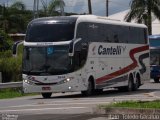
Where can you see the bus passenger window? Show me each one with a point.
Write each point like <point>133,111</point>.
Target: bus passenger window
<point>116,40</point>
<point>107,39</point>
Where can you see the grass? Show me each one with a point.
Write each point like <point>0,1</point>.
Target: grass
<point>12,93</point>
<point>134,104</point>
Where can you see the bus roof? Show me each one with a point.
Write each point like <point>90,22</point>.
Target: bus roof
<point>63,19</point>
<point>86,18</point>
<point>107,20</point>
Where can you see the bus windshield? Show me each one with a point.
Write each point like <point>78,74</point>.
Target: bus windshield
<point>52,60</point>
<point>50,32</point>
<point>155,56</point>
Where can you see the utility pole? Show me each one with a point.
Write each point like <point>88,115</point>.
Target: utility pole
<point>62,8</point>
<point>89,7</point>
<point>35,8</point>
<point>107,8</point>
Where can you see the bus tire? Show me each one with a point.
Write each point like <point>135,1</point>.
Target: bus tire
<point>98,91</point>
<point>130,86</point>
<point>156,80</point>
<point>137,83</point>
<point>90,88</point>
<point>122,89</point>
<point>46,95</point>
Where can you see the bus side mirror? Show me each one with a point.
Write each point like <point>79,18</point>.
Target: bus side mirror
<point>77,57</point>
<point>15,47</point>
<point>71,49</point>
<point>72,46</point>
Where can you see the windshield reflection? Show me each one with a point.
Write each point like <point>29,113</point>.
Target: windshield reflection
<point>46,60</point>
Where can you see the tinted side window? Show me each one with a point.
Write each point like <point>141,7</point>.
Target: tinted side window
<point>111,33</point>
<point>83,34</point>
<point>92,32</point>
<point>123,32</point>
<point>82,31</point>
<point>97,32</point>
<point>137,35</point>
<point>116,33</point>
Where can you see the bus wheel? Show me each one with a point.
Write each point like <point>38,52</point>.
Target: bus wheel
<point>130,84</point>
<point>46,95</point>
<point>137,83</point>
<point>123,89</point>
<point>98,91</point>
<point>90,88</point>
<point>156,80</point>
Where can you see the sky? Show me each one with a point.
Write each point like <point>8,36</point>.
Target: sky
<point>81,6</point>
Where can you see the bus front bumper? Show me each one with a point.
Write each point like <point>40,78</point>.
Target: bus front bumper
<point>66,87</point>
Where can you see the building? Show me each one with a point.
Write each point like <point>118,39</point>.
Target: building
<point>155,22</point>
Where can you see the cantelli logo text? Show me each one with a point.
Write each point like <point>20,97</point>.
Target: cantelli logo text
<point>111,50</point>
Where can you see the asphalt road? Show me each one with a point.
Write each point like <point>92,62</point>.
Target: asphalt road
<point>71,106</point>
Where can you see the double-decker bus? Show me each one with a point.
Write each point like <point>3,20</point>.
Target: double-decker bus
<point>154,41</point>
<point>84,53</point>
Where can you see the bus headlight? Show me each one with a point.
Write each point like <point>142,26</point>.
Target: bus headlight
<point>68,79</point>
<point>69,87</point>
<point>64,81</point>
<point>28,82</point>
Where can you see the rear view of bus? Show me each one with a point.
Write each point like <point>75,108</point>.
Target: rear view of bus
<point>155,57</point>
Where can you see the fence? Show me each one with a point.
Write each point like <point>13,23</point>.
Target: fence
<point>11,85</point>
<point>0,77</point>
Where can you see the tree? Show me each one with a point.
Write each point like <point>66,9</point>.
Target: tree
<point>50,9</point>
<point>142,10</point>
<point>18,6</point>
<point>5,41</point>
<point>4,19</point>
<point>14,18</point>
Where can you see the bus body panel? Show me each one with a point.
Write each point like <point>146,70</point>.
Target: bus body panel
<point>59,83</point>
<point>109,63</point>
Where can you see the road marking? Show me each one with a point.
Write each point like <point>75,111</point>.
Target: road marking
<point>19,106</point>
<point>78,102</point>
<point>42,109</point>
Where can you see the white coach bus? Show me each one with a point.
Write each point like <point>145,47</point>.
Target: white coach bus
<point>84,53</point>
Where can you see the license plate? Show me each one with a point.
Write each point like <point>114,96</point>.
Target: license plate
<point>46,88</point>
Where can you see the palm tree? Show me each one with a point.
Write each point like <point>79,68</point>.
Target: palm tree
<point>142,10</point>
<point>50,9</point>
